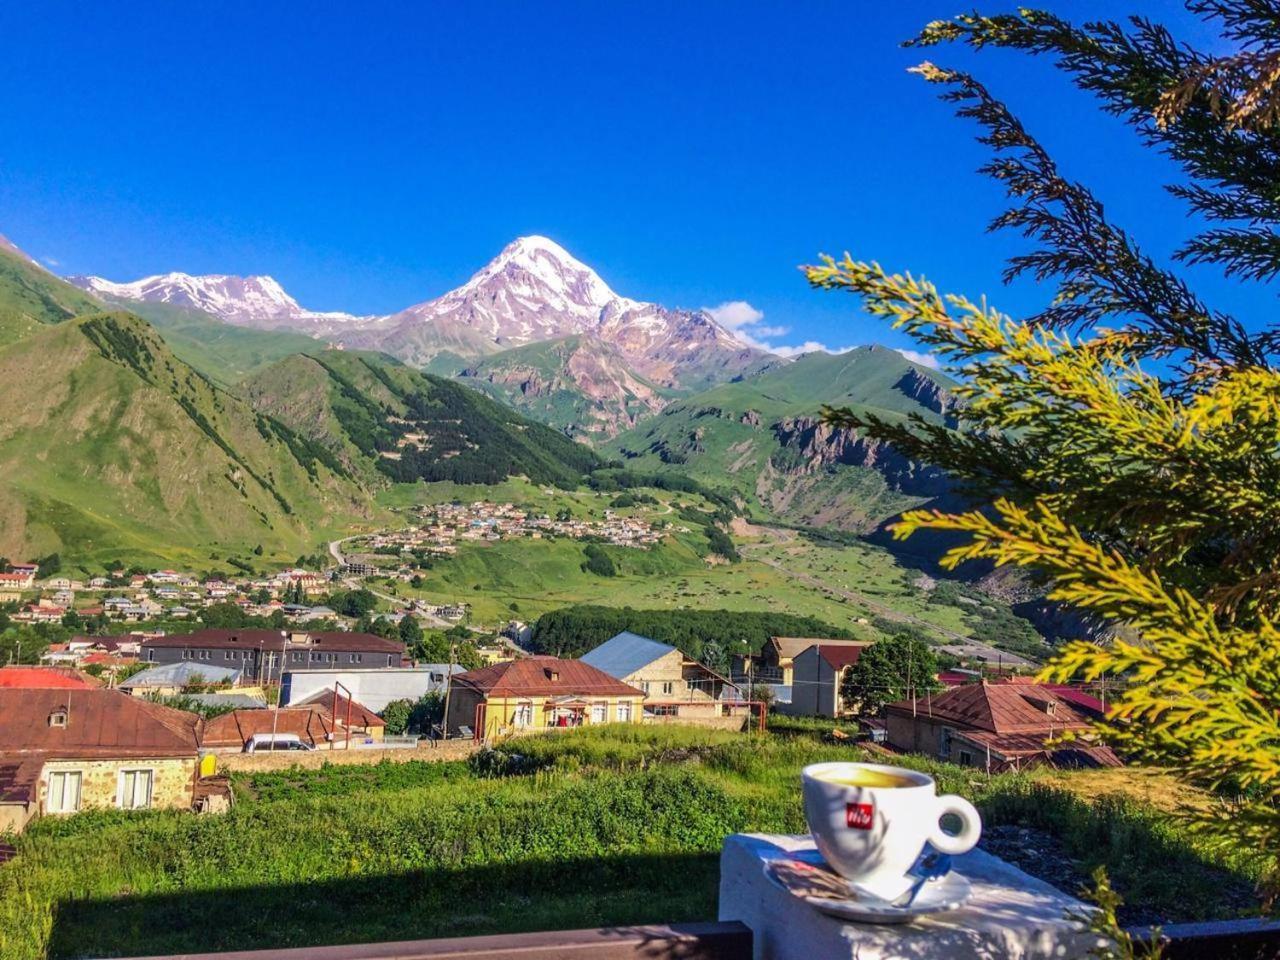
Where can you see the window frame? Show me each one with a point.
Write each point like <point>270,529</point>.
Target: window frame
<point>121,778</point>
<point>66,776</point>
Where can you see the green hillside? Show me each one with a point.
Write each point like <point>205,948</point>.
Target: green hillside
<point>31,296</point>
<point>759,439</point>
<point>114,449</point>
<point>221,351</point>
<point>376,414</point>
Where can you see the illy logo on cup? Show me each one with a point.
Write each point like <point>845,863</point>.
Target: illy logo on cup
<point>859,816</point>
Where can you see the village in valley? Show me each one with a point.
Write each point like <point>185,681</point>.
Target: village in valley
<point>439,528</point>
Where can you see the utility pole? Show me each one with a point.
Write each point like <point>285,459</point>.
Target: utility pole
<point>911,687</point>
<point>448,689</point>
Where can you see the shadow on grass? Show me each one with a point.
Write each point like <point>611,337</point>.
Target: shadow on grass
<point>363,908</point>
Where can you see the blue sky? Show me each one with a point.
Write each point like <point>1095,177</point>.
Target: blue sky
<point>370,156</point>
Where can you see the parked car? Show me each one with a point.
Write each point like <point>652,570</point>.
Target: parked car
<point>266,742</point>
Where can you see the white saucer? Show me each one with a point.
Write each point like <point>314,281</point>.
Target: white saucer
<point>810,879</point>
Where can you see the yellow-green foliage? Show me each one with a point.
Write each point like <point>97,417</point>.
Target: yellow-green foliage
<point>1204,670</point>
<point>1148,499</point>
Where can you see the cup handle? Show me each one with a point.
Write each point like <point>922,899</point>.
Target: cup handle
<point>970,829</point>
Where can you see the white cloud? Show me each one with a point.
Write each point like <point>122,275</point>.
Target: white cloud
<point>52,262</point>
<point>735,314</point>
<point>924,359</point>
<point>747,325</point>
<point>809,346</point>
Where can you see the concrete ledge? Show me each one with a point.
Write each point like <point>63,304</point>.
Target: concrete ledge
<point>1011,915</point>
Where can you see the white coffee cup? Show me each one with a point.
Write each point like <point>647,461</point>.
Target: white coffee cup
<point>871,822</point>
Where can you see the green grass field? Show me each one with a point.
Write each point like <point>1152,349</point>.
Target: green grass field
<point>594,827</point>
<point>524,578</point>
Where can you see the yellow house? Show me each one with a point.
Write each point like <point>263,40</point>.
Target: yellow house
<point>65,750</point>
<point>536,694</point>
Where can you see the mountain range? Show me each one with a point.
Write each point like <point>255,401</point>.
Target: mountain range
<point>216,410</point>
<point>113,450</point>
<point>619,359</point>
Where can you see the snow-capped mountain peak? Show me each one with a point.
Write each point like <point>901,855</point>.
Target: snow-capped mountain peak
<point>249,301</point>
<point>540,261</point>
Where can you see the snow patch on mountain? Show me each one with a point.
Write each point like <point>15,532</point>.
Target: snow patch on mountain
<point>246,301</point>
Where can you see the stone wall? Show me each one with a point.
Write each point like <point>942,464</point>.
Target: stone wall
<point>172,780</point>
<point>254,762</point>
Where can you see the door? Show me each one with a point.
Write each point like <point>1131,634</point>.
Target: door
<point>64,791</point>
<point>135,789</point>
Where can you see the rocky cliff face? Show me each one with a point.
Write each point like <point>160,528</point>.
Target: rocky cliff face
<point>927,392</point>
<point>578,385</point>
<point>814,446</point>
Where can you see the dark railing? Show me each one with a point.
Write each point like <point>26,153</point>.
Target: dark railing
<point>1226,939</point>
<point>1230,940</point>
<point>687,941</point>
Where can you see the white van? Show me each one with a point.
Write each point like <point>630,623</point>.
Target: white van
<point>265,742</point>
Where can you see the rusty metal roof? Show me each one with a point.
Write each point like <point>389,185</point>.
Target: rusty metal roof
<point>545,676</point>
<point>998,708</point>
<point>35,678</point>
<point>99,723</point>
<point>361,716</point>
<point>791,647</point>
<point>18,779</point>
<point>311,724</point>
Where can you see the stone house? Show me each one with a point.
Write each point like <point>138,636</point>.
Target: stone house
<point>674,685</point>
<point>64,749</point>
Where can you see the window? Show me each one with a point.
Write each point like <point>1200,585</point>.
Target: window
<point>667,710</point>
<point>226,654</point>
<point>355,658</point>
<point>64,791</point>
<point>966,758</point>
<point>668,687</point>
<point>151,656</point>
<point>135,789</point>
<point>58,718</point>
<point>186,654</point>
<point>524,714</point>
<point>944,742</point>
<point>644,685</point>
<point>624,711</point>
<point>599,712</point>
